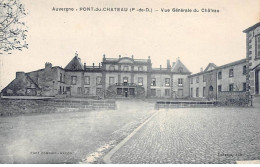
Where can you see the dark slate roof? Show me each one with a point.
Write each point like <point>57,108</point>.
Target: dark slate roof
<point>179,64</point>
<point>116,60</point>
<point>75,64</point>
<point>252,27</point>
<point>221,67</point>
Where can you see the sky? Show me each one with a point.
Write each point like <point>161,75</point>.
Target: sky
<point>196,38</point>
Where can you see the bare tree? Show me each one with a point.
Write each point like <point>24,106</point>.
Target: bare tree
<point>12,29</point>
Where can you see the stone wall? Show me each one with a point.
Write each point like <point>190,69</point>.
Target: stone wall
<point>235,98</point>
<point>184,104</point>
<point>22,106</point>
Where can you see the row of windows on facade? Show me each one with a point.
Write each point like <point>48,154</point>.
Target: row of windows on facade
<point>125,80</point>
<point>86,90</point>
<point>125,68</point>
<point>230,88</point>
<point>231,74</point>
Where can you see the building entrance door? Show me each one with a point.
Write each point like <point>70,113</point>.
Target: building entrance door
<point>210,95</point>
<point>125,90</point>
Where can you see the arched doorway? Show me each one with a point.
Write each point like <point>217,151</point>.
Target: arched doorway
<point>210,94</point>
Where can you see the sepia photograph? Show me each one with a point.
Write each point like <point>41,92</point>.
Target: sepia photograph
<point>129,82</point>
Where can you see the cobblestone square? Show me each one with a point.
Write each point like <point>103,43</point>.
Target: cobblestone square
<point>195,135</point>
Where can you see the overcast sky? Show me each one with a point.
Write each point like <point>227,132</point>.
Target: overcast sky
<point>197,38</point>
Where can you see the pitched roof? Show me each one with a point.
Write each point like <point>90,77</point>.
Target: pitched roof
<point>210,66</point>
<point>75,64</point>
<point>252,27</point>
<point>177,65</point>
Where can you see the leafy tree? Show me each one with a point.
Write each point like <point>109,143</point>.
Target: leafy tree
<point>12,29</point>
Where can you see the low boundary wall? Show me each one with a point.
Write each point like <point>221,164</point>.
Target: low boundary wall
<point>184,104</point>
<point>23,106</point>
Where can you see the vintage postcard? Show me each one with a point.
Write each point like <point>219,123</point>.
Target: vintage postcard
<point>129,82</point>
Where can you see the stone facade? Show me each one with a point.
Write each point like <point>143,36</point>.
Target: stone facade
<point>253,58</point>
<point>208,83</point>
<point>113,78</point>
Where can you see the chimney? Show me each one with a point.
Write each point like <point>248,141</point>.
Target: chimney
<point>93,65</point>
<point>19,74</point>
<point>119,56</point>
<point>201,69</point>
<point>173,64</point>
<point>168,64</point>
<point>160,67</point>
<point>48,65</point>
<point>99,65</point>
<point>85,66</point>
<point>132,56</point>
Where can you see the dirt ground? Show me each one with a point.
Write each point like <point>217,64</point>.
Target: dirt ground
<point>73,137</point>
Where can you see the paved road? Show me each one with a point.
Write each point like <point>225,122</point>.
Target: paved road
<point>200,135</point>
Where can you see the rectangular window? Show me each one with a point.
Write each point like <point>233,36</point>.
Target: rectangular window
<point>219,75</point>
<point>73,80</point>
<point>119,91</point>
<point>258,46</point>
<point>98,81</point>
<point>231,72</point>
<point>99,91</point>
<point>167,92</point>
<point>153,82</point>
<point>244,86</point>
<point>87,80</point>
<point>191,80</point>
<point>197,79</point>
<point>60,77</point>
<point>140,81</point>
<point>244,70</point>
<point>219,88</point>
<point>197,92</point>
<point>87,91</point>
<point>153,92</point>
<point>231,87</point>
<point>125,68</point>
<point>167,81</point>
<point>131,91</point>
<point>191,92</point>
<point>79,90</point>
<point>125,80</point>
<point>111,80</point>
<point>204,78</point>
<point>140,68</point>
<point>204,89</point>
<point>112,68</point>
<point>180,82</point>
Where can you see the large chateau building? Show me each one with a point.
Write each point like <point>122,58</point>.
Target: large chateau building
<point>136,78</point>
<point>113,78</point>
